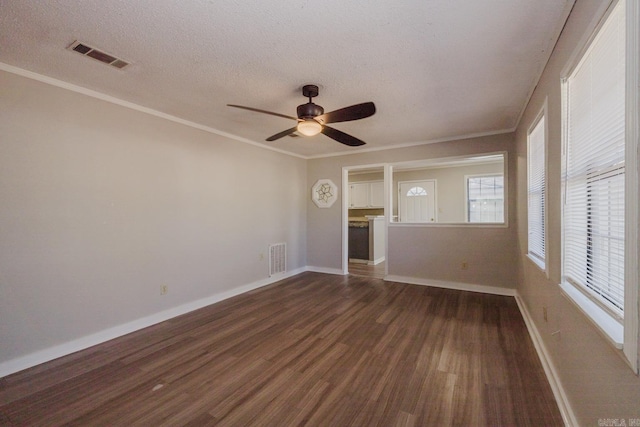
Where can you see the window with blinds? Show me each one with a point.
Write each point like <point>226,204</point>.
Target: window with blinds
<point>594,168</point>
<point>536,191</point>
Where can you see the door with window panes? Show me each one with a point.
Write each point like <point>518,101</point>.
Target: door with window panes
<point>416,201</point>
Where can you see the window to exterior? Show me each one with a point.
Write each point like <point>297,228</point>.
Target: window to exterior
<point>536,191</point>
<point>416,191</point>
<point>594,178</point>
<point>485,198</point>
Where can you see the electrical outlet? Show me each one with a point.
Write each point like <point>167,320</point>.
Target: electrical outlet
<point>164,289</point>
<point>261,256</point>
<point>464,265</point>
<point>544,314</point>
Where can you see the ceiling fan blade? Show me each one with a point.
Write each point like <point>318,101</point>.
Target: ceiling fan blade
<point>342,137</point>
<point>354,112</point>
<point>262,111</point>
<point>281,134</point>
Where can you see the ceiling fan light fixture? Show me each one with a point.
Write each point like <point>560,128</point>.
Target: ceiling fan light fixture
<point>312,119</point>
<point>309,127</point>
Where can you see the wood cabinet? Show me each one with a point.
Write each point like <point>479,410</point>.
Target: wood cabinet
<point>363,195</point>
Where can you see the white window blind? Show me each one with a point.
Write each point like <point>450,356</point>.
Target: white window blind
<point>536,191</point>
<point>595,166</point>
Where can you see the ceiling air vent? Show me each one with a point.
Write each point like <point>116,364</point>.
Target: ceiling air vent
<point>97,54</point>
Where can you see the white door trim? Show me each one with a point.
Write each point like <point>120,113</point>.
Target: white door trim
<point>345,210</point>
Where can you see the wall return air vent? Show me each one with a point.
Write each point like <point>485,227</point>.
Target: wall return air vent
<point>91,52</point>
<point>277,259</point>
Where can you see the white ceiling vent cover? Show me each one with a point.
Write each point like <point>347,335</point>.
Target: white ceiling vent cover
<point>277,259</point>
<point>96,54</point>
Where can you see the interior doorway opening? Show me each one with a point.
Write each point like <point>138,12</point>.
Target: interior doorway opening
<point>364,221</point>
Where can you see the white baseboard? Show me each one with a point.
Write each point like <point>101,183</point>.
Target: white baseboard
<point>376,261</point>
<point>325,270</point>
<point>568,416</point>
<point>48,354</point>
<point>494,290</point>
<point>364,261</point>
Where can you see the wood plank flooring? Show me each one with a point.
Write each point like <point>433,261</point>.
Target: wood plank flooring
<point>314,349</point>
<point>374,271</point>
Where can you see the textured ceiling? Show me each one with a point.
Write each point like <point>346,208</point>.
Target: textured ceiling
<point>436,70</point>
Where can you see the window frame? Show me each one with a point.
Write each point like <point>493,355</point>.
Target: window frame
<point>540,260</point>
<point>430,162</point>
<point>467,213</point>
<point>621,334</point>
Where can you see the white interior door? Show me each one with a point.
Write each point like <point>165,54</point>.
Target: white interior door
<point>416,201</point>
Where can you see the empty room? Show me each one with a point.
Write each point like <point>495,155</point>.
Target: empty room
<point>281,213</point>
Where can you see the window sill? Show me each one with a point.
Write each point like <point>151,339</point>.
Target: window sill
<point>451,224</point>
<point>538,263</point>
<point>606,324</point>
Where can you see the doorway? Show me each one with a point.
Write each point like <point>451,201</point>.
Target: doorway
<point>364,221</point>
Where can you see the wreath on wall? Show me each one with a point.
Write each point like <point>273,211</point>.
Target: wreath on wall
<point>324,193</point>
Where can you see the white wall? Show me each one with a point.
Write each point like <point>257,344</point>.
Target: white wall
<point>597,382</point>
<point>423,252</point>
<point>100,205</point>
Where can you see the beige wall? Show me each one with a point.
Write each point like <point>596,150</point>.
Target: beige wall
<point>597,381</point>
<point>422,252</point>
<point>100,205</point>
<point>372,176</point>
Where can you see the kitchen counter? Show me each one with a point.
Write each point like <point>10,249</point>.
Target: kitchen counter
<point>359,224</point>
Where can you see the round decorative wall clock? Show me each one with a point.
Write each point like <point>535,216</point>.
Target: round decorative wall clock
<point>324,193</point>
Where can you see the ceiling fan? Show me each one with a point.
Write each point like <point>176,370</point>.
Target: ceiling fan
<point>312,119</point>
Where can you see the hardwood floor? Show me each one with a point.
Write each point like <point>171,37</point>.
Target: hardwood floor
<point>373,271</point>
<point>314,349</point>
